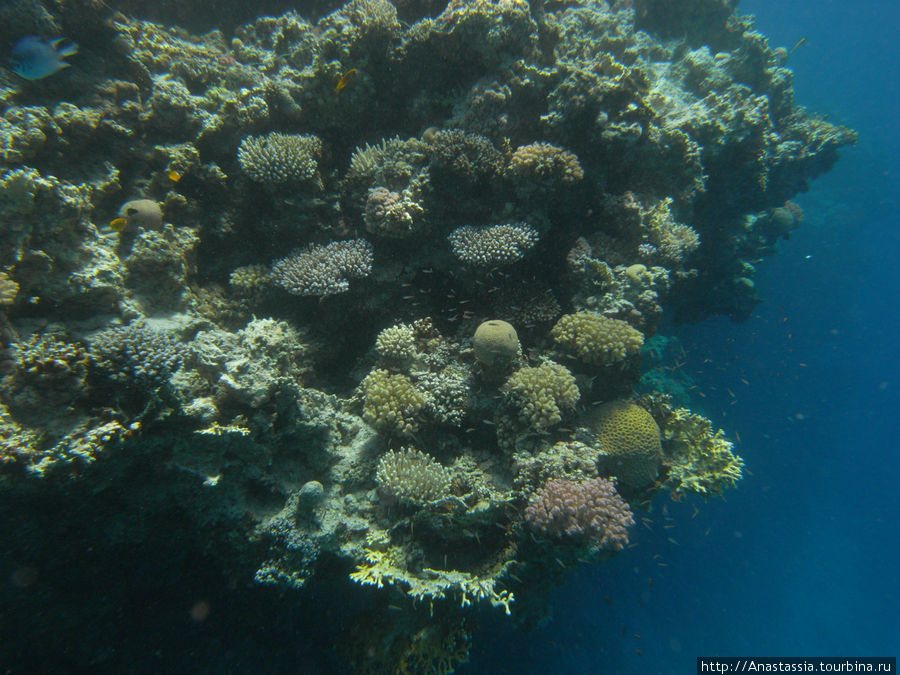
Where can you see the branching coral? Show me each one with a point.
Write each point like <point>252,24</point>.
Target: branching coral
<point>591,510</point>
<point>593,338</point>
<point>492,245</point>
<point>396,343</point>
<point>393,214</point>
<point>324,270</point>
<point>280,158</point>
<point>542,394</point>
<point>412,476</point>
<point>136,353</point>
<point>393,404</point>
<point>700,460</point>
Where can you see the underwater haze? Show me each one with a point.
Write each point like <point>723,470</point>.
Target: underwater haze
<point>432,337</point>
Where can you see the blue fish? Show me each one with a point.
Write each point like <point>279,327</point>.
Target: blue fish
<point>33,57</point>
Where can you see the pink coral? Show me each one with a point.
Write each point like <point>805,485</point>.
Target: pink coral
<point>591,509</point>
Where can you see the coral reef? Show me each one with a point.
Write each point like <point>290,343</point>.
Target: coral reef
<point>249,257</point>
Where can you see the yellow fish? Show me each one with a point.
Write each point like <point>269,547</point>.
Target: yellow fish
<point>118,224</point>
<point>345,79</point>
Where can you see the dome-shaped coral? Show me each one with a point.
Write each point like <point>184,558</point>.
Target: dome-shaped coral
<point>597,339</point>
<point>393,403</point>
<point>496,343</point>
<point>629,441</point>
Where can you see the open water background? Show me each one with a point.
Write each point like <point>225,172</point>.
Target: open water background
<point>801,559</point>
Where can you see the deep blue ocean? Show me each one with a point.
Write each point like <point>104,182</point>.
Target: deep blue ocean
<point>801,559</point>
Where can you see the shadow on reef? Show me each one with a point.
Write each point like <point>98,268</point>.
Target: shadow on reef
<point>351,313</point>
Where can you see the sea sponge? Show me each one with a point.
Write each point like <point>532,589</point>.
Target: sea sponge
<point>496,343</point>
<point>280,158</point>
<point>629,442</point>
<point>492,245</point>
<point>412,476</point>
<point>393,404</point>
<point>597,339</point>
<point>545,163</point>
<point>324,270</point>
<point>542,394</point>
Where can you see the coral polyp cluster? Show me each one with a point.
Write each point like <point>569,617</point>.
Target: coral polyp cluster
<point>362,297</point>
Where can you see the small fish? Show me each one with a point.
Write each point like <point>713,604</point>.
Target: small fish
<point>173,176</point>
<point>800,43</point>
<point>118,224</point>
<point>34,58</point>
<point>345,79</point>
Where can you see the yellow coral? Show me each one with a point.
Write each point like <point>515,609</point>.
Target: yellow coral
<point>392,402</point>
<point>702,459</point>
<point>542,393</point>
<point>597,339</point>
<point>629,442</point>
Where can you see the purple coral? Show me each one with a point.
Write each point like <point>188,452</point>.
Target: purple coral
<point>590,509</point>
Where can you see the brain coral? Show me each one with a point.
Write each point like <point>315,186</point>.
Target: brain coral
<point>542,393</point>
<point>591,509</point>
<point>629,441</point>
<point>412,476</point>
<point>279,158</point>
<point>597,339</point>
<point>393,404</point>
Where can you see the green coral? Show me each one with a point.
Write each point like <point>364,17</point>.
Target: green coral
<point>700,460</point>
<point>393,404</point>
<point>629,442</point>
<point>542,394</point>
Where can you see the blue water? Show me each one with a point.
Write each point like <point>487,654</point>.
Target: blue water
<point>802,558</point>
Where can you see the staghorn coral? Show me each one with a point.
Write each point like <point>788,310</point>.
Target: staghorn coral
<point>493,244</point>
<point>591,510</point>
<point>412,476</point>
<point>136,354</point>
<point>597,339</point>
<point>393,404</point>
<point>628,439</point>
<point>324,270</point>
<point>280,158</point>
<point>546,164</point>
<point>542,394</point>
